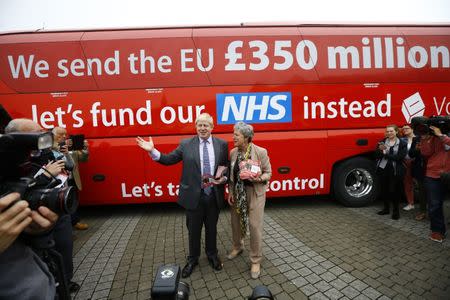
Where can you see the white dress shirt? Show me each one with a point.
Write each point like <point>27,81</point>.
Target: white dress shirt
<point>156,155</point>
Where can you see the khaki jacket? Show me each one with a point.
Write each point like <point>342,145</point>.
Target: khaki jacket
<point>257,154</point>
<point>78,156</point>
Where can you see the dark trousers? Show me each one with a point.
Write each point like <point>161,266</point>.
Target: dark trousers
<point>422,196</point>
<point>391,188</point>
<point>435,194</point>
<point>75,216</point>
<point>62,234</point>
<point>207,213</point>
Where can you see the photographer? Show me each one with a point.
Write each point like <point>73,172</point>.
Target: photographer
<point>76,155</point>
<point>23,275</point>
<point>418,167</point>
<point>436,148</point>
<point>62,232</point>
<point>61,149</point>
<point>75,180</point>
<point>54,166</point>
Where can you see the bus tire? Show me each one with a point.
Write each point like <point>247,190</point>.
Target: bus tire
<point>355,183</point>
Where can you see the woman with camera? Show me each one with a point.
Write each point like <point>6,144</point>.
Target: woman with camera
<point>436,149</point>
<point>390,168</point>
<point>249,173</point>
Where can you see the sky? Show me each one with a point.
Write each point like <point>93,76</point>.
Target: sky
<point>31,15</point>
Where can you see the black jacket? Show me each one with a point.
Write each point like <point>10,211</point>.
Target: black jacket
<point>395,159</point>
<point>418,166</point>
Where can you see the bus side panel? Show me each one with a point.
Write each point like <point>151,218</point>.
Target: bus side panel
<point>172,111</point>
<point>154,58</point>
<point>127,174</point>
<point>343,144</point>
<point>112,162</point>
<point>298,160</point>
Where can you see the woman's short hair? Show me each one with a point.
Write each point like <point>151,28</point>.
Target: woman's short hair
<point>245,129</point>
<point>393,126</point>
<point>205,117</point>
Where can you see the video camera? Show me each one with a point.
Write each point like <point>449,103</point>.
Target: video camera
<point>167,284</point>
<point>16,153</point>
<point>421,125</point>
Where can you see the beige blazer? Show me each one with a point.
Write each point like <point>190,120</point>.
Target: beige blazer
<point>78,156</point>
<point>259,154</point>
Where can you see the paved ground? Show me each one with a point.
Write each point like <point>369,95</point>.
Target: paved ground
<point>313,248</point>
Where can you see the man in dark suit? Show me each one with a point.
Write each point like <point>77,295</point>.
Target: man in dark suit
<point>201,156</point>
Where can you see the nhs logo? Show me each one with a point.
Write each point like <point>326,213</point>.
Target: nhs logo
<point>254,108</point>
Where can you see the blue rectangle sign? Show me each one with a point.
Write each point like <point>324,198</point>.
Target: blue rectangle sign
<point>254,108</point>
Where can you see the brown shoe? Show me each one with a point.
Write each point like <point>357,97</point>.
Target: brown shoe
<point>81,226</point>
<point>255,271</point>
<point>420,216</point>
<point>234,253</point>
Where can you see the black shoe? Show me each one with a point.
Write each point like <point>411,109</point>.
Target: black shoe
<point>73,287</point>
<point>395,216</point>
<point>188,269</point>
<point>383,212</point>
<point>215,263</point>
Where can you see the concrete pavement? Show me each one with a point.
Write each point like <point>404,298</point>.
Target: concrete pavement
<point>313,248</point>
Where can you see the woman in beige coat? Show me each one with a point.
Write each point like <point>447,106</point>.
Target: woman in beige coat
<point>247,194</point>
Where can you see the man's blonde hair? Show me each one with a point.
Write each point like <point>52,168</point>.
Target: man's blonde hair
<point>205,117</point>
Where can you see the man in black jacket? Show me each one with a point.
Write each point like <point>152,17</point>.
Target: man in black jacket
<point>23,275</point>
<point>62,231</point>
<point>201,156</point>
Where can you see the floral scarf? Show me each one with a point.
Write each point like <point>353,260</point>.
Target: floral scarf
<point>240,194</point>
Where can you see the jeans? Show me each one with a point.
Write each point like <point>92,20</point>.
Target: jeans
<point>435,193</point>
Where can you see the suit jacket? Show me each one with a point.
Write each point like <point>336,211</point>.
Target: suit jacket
<point>191,176</point>
<point>78,156</point>
<point>257,154</point>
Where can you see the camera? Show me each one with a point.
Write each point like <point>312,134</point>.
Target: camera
<point>421,125</point>
<point>17,150</point>
<point>167,284</point>
<point>77,142</point>
<point>261,292</point>
<point>60,200</point>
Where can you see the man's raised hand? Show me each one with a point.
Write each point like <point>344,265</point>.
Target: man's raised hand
<point>146,145</point>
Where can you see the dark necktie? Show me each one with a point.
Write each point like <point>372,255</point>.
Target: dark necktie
<point>206,165</point>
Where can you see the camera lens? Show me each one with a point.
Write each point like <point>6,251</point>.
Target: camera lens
<point>68,199</point>
<point>60,200</point>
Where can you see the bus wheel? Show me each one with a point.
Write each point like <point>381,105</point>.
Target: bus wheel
<point>354,182</point>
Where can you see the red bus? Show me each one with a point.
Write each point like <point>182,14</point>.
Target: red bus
<point>319,97</point>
